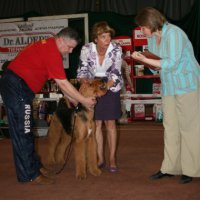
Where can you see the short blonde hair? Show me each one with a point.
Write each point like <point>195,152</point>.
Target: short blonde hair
<point>100,28</point>
<point>151,18</point>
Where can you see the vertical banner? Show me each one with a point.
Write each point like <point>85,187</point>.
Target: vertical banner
<point>14,36</point>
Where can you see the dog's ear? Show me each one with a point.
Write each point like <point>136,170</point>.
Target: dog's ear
<point>83,86</point>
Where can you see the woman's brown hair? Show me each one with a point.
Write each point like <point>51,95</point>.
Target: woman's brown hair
<point>101,27</point>
<point>151,18</point>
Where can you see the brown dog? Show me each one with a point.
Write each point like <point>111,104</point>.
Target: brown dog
<point>79,125</point>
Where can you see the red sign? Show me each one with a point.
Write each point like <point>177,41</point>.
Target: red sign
<point>124,41</point>
<point>139,39</point>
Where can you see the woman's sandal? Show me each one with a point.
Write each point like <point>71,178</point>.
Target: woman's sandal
<point>102,166</point>
<point>113,169</point>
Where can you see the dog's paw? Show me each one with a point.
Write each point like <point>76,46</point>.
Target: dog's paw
<point>47,172</point>
<point>58,168</point>
<point>81,176</point>
<point>96,172</point>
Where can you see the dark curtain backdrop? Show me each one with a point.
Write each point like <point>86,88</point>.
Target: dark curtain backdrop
<point>191,25</point>
<point>119,14</point>
<point>174,9</point>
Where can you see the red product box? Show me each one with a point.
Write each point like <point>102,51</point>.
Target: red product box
<point>138,111</point>
<point>139,39</point>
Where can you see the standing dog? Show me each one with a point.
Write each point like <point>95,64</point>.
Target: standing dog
<point>77,124</point>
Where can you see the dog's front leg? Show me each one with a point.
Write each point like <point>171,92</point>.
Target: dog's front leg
<point>80,158</point>
<point>92,155</point>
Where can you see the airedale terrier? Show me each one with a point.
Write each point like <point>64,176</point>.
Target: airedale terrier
<point>77,126</point>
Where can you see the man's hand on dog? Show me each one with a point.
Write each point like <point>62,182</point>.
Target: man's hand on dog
<point>73,101</point>
<point>90,102</point>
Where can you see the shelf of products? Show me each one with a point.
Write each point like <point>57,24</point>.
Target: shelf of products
<point>146,100</point>
<point>146,103</point>
<point>147,76</point>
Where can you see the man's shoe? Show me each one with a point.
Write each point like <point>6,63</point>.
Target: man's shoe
<point>160,175</point>
<point>42,180</point>
<point>185,179</point>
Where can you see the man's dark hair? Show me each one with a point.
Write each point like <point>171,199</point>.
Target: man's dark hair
<point>69,33</point>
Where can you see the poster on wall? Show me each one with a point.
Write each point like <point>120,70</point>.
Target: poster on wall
<point>14,36</point>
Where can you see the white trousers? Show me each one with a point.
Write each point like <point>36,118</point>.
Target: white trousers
<point>182,134</point>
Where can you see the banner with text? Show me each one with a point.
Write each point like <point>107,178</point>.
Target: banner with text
<point>15,36</point>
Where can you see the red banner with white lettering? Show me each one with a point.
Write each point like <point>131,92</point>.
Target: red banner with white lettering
<point>14,36</point>
<point>139,39</point>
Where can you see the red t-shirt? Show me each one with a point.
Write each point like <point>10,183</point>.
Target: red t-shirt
<point>39,62</point>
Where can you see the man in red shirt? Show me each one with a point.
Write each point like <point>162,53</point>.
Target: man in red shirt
<point>25,76</point>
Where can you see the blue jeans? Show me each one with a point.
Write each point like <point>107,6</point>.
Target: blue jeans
<point>17,98</point>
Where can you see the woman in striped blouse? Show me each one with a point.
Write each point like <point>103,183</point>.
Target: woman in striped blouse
<point>180,77</point>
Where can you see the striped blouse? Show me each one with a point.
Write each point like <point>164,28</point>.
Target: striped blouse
<point>180,71</point>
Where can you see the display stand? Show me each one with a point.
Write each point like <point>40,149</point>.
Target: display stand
<point>145,105</point>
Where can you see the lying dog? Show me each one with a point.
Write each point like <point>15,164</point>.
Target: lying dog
<point>75,124</point>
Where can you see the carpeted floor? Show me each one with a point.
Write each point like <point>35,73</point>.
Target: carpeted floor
<point>140,153</point>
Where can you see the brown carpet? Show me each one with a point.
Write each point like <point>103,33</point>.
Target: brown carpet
<point>140,154</point>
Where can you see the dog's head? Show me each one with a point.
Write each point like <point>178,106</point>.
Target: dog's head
<point>96,87</point>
